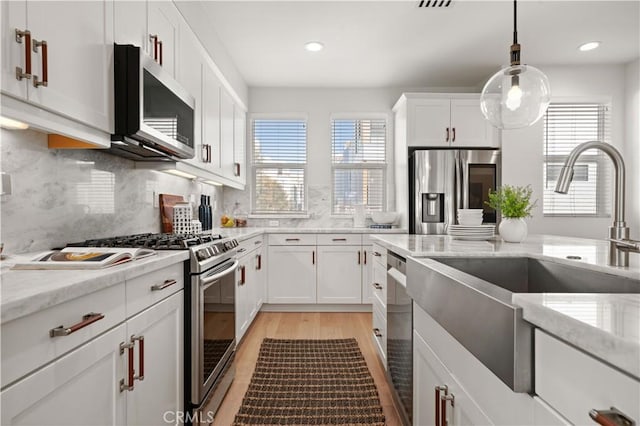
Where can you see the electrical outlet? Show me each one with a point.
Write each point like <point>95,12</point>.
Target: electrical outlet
<point>274,223</point>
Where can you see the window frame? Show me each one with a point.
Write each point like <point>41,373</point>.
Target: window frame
<point>601,160</point>
<point>359,166</point>
<point>304,214</point>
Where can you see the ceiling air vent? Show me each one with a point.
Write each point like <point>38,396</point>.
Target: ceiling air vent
<point>434,3</point>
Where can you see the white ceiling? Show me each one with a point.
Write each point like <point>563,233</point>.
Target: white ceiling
<point>397,44</point>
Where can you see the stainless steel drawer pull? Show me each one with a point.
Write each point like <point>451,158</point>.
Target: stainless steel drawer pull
<point>127,385</point>
<point>292,239</point>
<point>242,250</point>
<point>376,332</point>
<point>376,254</point>
<point>87,319</point>
<point>611,417</point>
<point>338,239</point>
<point>164,285</point>
<point>444,389</point>
<point>377,286</point>
<point>27,54</point>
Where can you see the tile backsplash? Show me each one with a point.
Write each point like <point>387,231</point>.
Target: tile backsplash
<point>61,196</point>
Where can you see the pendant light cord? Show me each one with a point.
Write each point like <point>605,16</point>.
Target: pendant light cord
<point>515,47</point>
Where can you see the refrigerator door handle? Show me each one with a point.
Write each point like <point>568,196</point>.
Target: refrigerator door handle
<point>458,188</point>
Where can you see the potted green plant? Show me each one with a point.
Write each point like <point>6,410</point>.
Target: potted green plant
<point>514,202</point>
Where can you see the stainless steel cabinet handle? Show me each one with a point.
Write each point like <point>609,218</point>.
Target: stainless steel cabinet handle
<point>27,54</point>
<point>611,417</point>
<point>87,319</point>
<point>447,139</point>
<point>358,257</point>
<point>443,400</point>
<point>365,257</point>
<point>164,285</point>
<point>453,139</point>
<point>376,254</point>
<point>377,286</point>
<point>376,332</point>
<point>338,239</point>
<point>154,38</point>
<point>236,171</point>
<point>124,384</point>
<point>140,340</point>
<point>438,417</point>
<point>45,63</point>
<point>242,250</point>
<point>160,57</point>
<point>292,239</point>
<point>313,257</point>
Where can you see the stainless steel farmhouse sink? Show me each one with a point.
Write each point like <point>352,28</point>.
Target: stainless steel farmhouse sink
<point>470,297</point>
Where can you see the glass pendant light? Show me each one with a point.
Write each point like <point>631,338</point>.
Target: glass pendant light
<point>516,96</point>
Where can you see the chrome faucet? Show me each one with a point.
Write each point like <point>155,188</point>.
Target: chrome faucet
<point>620,244</point>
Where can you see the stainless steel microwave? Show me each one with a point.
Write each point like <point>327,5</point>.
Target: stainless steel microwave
<point>154,116</point>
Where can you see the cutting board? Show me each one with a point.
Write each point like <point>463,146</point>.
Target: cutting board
<point>167,201</point>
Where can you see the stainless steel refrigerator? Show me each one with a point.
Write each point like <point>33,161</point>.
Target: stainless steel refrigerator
<point>443,180</point>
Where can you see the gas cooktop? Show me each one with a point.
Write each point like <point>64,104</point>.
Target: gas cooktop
<point>152,241</point>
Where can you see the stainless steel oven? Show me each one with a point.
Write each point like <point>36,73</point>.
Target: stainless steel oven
<point>399,336</point>
<point>210,334</point>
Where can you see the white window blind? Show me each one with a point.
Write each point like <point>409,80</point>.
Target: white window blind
<point>566,125</point>
<point>358,153</point>
<point>279,166</point>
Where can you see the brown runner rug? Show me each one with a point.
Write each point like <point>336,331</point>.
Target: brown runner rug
<point>311,382</point>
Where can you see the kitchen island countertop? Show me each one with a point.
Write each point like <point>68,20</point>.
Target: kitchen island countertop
<point>604,325</point>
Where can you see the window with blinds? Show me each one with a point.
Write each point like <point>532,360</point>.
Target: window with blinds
<point>279,166</point>
<point>567,125</point>
<point>358,157</point>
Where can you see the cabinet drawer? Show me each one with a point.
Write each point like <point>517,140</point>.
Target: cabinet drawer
<point>250,244</point>
<point>145,290</point>
<point>380,338</point>
<point>573,382</point>
<point>292,239</point>
<point>379,284</point>
<point>339,239</point>
<point>379,254</point>
<point>26,344</point>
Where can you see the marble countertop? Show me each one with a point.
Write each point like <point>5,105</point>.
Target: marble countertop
<point>23,292</point>
<point>604,325</point>
<point>248,232</point>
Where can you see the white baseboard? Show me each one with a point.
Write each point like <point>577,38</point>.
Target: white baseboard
<point>268,307</point>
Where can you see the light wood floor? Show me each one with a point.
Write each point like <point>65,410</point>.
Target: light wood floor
<point>304,325</point>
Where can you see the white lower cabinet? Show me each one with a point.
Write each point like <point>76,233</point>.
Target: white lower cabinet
<point>250,284</point>
<point>80,388</point>
<point>124,367</point>
<point>480,396</point>
<point>573,382</point>
<point>292,274</point>
<point>161,390</point>
<point>367,273</point>
<point>437,397</point>
<point>340,274</point>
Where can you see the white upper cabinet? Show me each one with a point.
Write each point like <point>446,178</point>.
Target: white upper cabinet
<point>211,118</point>
<point>444,120</point>
<point>69,50</point>
<point>227,159</point>
<point>163,25</point>
<point>239,141</point>
<point>130,21</point>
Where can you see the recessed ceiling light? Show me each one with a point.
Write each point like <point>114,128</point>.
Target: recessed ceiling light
<point>589,46</point>
<point>313,46</point>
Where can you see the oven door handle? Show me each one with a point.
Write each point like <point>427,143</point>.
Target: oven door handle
<point>212,278</point>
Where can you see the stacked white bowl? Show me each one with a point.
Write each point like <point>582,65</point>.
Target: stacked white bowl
<point>470,217</point>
